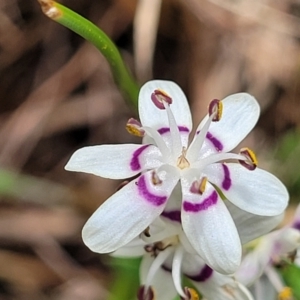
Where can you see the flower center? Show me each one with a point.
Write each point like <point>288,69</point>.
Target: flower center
<point>182,162</point>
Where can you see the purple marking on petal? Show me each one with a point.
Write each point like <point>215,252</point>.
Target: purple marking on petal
<point>204,274</point>
<point>147,195</point>
<point>217,144</point>
<point>135,163</point>
<point>167,129</point>
<point>226,183</point>
<point>296,225</point>
<point>204,205</point>
<point>173,215</point>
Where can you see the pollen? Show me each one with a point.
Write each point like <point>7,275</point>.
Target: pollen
<point>134,127</point>
<point>285,294</point>
<point>215,108</point>
<point>251,161</point>
<point>182,162</point>
<point>191,294</point>
<point>159,97</point>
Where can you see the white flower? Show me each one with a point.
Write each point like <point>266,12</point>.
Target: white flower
<point>167,255</point>
<point>257,267</point>
<point>167,160</point>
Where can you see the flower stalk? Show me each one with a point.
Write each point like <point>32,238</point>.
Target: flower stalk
<point>100,40</point>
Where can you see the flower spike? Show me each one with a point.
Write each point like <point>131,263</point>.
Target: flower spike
<point>215,107</point>
<point>251,161</point>
<point>159,97</point>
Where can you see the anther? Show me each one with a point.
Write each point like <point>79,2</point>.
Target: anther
<point>285,294</point>
<point>251,161</point>
<point>215,108</point>
<point>198,186</point>
<point>159,97</point>
<point>155,179</point>
<point>134,127</point>
<point>145,293</point>
<point>191,294</point>
<point>147,232</point>
<point>182,162</point>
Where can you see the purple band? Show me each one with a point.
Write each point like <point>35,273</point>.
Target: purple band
<point>173,215</point>
<point>226,183</point>
<point>204,274</point>
<point>135,163</point>
<point>167,129</point>
<point>204,205</point>
<point>296,225</point>
<point>147,195</point>
<point>217,144</point>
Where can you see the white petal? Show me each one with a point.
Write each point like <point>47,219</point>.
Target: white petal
<point>135,248</point>
<point>151,116</point>
<point>223,287</point>
<point>128,212</point>
<point>257,192</point>
<point>264,289</point>
<point>251,226</point>
<point>210,229</point>
<point>115,161</point>
<point>253,264</point>
<point>162,282</point>
<point>240,114</point>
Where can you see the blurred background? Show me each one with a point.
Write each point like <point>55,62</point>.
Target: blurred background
<point>57,95</point>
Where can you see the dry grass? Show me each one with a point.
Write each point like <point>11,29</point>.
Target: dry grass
<point>57,94</point>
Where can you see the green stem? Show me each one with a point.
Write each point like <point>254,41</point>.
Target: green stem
<point>99,39</point>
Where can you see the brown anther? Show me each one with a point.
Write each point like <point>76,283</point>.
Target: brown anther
<point>251,161</point>
<point>215,108</point>
<point>198,187</point>
<point>191,294</point>
<point>155,179</point>
<point>182,162</point>
<point>134,127</point>
<point>157,247</point>
<point>159,97</point>
<point>286,294</point>
<point>145,293</point>
<point>147,232</point>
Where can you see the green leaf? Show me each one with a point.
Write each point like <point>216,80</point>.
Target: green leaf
<point>291,276</point>
<point>126,282</point>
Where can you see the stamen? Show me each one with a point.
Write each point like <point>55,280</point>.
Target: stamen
<point>145,293</point>
<point>251,161</point>
<point>176,270</point>
<point>134,127</point>
<point>157,263</point>
<point>215,108</point>
<point>285,294</point>
<point>155,178</point>
<point>182,162</point>
<point>198,187</point>
<point>197,143</point>
<point>191,294</point>
<point>159,97</point>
